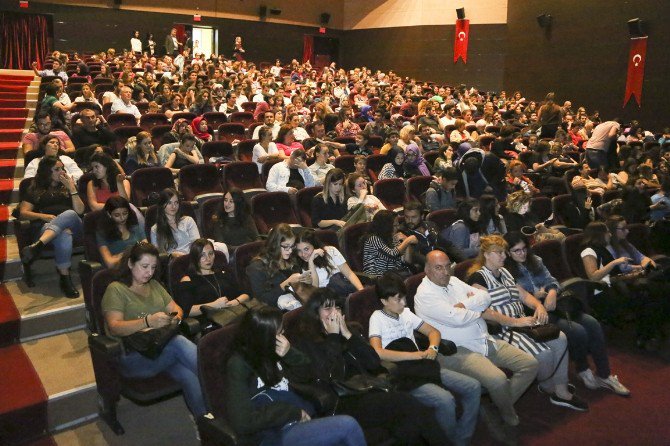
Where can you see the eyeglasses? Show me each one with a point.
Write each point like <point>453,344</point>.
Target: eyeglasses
<point>287,247</point>
<point>518,250</point>
<point>623,228</point>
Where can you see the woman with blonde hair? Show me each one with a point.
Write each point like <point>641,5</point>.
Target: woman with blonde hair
<point>408,136</point>
<point>459,134</point>
<point>141,153</point>
<point>507,308</point>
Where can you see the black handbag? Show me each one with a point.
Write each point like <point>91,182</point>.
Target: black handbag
<point>320,394</point>
<point>569,305</point>
<point>361,382</point>
<point>408,375</point>
<point>230,315</point>
<point>151,341</point>
<point>540,333</point>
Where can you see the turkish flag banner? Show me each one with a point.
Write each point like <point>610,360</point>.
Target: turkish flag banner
<point>461,36</point>
<point>636,61</point>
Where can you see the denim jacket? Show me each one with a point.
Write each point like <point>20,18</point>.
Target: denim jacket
<point>542,280</point>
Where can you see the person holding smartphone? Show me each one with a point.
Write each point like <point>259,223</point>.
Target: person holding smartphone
<point>53,207</point>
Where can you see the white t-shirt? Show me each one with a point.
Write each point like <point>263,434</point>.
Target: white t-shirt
<point>591,252</point>
<point>259,151</point>
<point>389,328</point>
<point>336,260</point>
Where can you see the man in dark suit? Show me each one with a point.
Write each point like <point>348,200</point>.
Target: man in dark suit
<point>171,43</point>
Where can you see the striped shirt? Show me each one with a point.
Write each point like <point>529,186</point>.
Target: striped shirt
<point>379,258</point>
<point>505,299</point>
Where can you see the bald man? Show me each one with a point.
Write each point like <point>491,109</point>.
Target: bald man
<point>455,309</point>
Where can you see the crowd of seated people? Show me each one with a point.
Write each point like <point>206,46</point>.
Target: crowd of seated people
<point>485,160</point>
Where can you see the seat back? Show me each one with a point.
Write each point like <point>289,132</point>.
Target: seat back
<point>208,210</point>
<point>197,179</point>
<point>147,180</point>
<point>121,120</point>
<point>639,236</point>
<point>231,131</point>
<point>412,283</point>
<point>345,162</point>
<point>558,204</point>
<point>244,118</point>
<point>541,206</point>
<point>391,192</point>
<point>214,349</point>
<point>184,115</point>
<point>572,248</point>
<point>242,175</point>
<point>551,253</point>
<point>271,208</point>
<point>217,149</point>
<point>353,244</point>
<point>215,119</point>
<point>461,269</point>
<point>443,218</point>
<point>417,186</point>
<point>375,164</point>
<point>92,221</point>
<point>245,149</point>
<point>122,135</point>
<point>265,171</point>
<point>375,142</point>
<point>244,254</point>
<point>304,199</point>
<point>99,284</point>
<point>328,237</point>
<point>360,306</point>
<point>151,120</point>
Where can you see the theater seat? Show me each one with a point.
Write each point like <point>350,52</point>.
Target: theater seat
<point>198,179</point>
<point>184,115</point>
<point>541,206</point>
<point>572,251</point>
<point>185,208</point>
<point>271,208</point>
<point>353,245</point>
<point>151,120</point>
<point>178,268</point>
<point>217,149</point>
<point>215,119</point>
<point>328,237</point>
<point>244,118</point>
<point>304,204</point>
<point>461,269</point>
<point>391,192</point>
<point>231,131</point>
<point>244,254</point>
<point>412,283</point>
<point>122,135</point>
<point>245,149</point>
<point>121,120</point>
<point>374,164</point>
<point>242,175</point>
<point>148,180</point>
<point>417,186</point>
<point>360,306</point>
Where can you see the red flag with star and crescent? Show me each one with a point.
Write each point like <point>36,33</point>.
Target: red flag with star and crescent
<point>461,36</point>
<point>636,61</point>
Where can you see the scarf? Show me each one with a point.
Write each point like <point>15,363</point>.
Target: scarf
<point>195,128</point>
<point>261,108</point>
<point>418,162</point>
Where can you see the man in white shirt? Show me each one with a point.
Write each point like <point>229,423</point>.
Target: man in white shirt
<point>456,309</point>
<point>290,175</point>
<point>320,167</point>
<point>123,104</point>
<point>230,106</point>
<point>268,121</point>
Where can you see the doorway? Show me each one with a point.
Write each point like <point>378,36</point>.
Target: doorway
<point>321,51</point>
<point>204,41</point>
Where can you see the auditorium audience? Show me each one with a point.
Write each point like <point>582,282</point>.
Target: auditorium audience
<point>173,232</point>
<point>50,146</point>
<point>118,228</point>
<point>107,181</point>
<point>232,223</point>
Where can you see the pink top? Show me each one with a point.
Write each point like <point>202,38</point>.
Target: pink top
<point>295,145</point>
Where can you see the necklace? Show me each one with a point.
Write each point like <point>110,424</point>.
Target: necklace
<point>216,287</point>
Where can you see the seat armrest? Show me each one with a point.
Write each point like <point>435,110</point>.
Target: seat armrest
<point>190,327</point>
<point>105,345</point>
<point>577,283</point>
<point>216,431</point>
<point>366,279</point>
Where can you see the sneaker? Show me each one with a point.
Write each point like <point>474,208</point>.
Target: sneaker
<point>589,380</point>
<point>612,383</point>
<point>575,403</point>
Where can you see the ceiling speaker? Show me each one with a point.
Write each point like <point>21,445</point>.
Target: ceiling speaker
<point>545,20</point>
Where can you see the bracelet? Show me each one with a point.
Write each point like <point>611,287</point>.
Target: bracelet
<point>74,193</point>
<point>146,320</point>
<point>435,348</point>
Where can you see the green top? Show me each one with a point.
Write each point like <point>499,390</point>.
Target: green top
<point>119,297</point>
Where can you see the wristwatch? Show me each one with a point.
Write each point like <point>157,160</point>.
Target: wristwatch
<point>434,347</point>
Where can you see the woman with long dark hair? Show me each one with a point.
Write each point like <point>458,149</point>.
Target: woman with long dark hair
<point>204,284</point>
<point>117,229</point>
<point>173,232</point>
<point>53,207</point>
<point>385,248</point>
<point>136,301</point>
<point>490,219</point>
<point>264,409</point>
<point>326,264</point>
<point>233,224</point>
<point>465,232</point>
<point>275,268</point>
<point>549,117</point>
<point>395,166</point>
<point>584,333</point>
<point>108,181</point>
<point>338,352</point>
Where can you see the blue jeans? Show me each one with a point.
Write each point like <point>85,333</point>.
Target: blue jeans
<point>468,391</point>
<point>62,244</point>
<point>338,430</point>
<point>596,158</point>
<point>553,368</point>
<point>179,359</point>
<point>585,335</point>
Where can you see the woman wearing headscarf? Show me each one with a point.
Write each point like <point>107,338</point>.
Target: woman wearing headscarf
<point>394,167</point>
<point>366,113</point>
<point>200,130</point>
<point>415,164</point>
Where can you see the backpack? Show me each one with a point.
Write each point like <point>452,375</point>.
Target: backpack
<point>474,153</point>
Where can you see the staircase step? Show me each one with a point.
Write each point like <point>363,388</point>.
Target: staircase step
<point>14,112</point>
<point>12,94</point>
<point>17,87</point>
<point>6,103</point>
<point>9,190</point>
<point>12,123</point>
<point>63,364</point>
